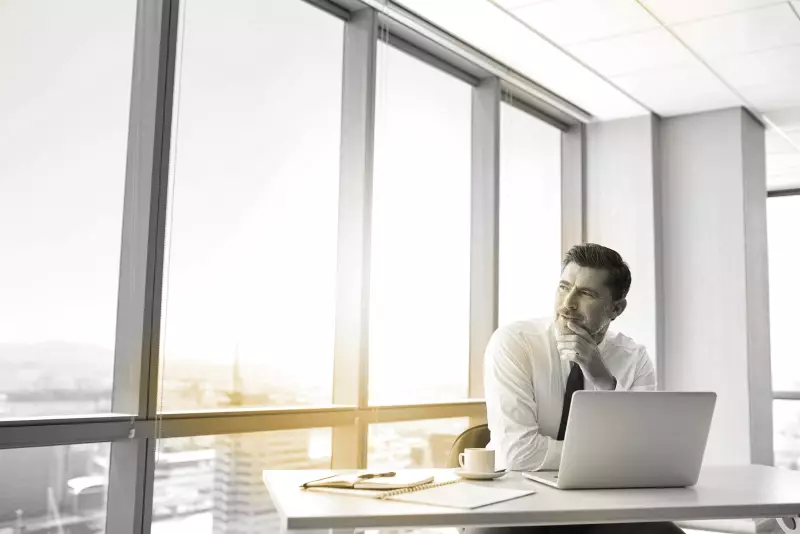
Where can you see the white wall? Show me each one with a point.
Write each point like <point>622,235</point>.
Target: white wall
<point>683,200</point>
<point>620,213</point>
<point>712,190</point>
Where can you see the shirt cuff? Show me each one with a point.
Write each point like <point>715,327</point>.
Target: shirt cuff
<point>552,458</point>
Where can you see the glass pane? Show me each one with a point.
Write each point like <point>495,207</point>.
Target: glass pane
<point>212,484</point>
<point>786,418</point>
<point>783,219</point>
<point>250,283</point>
<point>413,444</point>
<point>419,296</point>
<point>530,216</point>
<point>54,489</point>
<point>63,150</point>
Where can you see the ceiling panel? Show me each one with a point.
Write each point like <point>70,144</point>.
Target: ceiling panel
<point>675,91</point>
<point>632,52</point>
<point>739,33</point>
<point>773,96</point>
<point>783,163</point>
<point>783,181</point>
<point>769,66</point>
<point>675,11</point>
<point>489,28</point>
<point>777,144</point>
<point>573,21</point>
<point>511,4</point>
<point>786,119</point>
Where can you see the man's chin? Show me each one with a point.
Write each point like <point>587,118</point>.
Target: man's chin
<point>561,324</point>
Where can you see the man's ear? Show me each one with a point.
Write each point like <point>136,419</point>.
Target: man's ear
<point>618,307</point>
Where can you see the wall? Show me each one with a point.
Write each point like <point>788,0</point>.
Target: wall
<point>710,172</point>
<point>621,212</point>
<point>683,199</point>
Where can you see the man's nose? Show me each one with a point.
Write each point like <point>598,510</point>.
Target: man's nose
<point>570,302</point>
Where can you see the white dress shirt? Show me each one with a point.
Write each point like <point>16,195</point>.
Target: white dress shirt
<point>524,384</point>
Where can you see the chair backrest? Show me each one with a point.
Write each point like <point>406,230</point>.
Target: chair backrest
<point>476,437</point>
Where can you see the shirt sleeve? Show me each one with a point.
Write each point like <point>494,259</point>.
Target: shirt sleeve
<point>645,375</point>
<point>511,407</point>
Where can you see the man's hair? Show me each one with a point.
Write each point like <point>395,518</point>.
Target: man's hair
<point>600,257</point>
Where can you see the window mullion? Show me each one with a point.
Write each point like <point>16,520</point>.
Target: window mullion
<point>351,357</point>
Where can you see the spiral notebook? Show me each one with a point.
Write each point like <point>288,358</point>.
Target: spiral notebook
<point>450,493</point>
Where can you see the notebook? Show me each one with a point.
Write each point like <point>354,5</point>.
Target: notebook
<point>398,480</point>
<point>450,493</point>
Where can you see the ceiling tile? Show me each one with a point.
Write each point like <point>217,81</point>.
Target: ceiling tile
<point>773,96</point>
<point>488,28</point>
<point>573,21</point>
<point>783,181</point>
<point>676,91</point>
<point>769,66</point>
<point>675,11</point>
<point>783,163</point>
<point>786,119</point>
<point>777,144</point>
<point>632,52</point>
<point>511,4</point>
<point>743,32</point>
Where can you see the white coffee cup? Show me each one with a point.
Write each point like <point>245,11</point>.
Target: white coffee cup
<point>477,460</point>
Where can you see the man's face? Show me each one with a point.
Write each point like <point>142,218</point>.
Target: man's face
<point>584,298</point>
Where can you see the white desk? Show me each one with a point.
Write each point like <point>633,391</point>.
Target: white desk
<point>721,493</point>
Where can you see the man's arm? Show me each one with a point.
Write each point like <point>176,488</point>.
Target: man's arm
<point>642,377</point>
<point>511,407</point>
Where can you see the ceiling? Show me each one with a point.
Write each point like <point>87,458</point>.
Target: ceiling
<point>622,58</point>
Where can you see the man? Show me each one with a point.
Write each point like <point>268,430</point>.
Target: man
<point>530,365</point>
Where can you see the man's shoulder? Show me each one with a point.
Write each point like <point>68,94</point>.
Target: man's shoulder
<point>622,342</point>
<point>537,326</point>
<point>522,332</point>
<point>519,340</point>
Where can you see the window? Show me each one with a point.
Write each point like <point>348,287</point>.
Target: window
<point>786,417</point>
<point>243,242</point>
<point>63,144</point>
<point>419,294</point>
<point>784,257</point>
<point>50,487</point>
<point>213,483</point>
<point>530,216</point>
<point>413,444</point>
<point>782,219</point>
<point>249,289</point>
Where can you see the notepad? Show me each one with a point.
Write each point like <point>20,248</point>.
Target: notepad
<point>400,480</point>
<point>451,493</point>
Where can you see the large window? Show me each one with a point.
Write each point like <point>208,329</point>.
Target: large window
<point>211,484</point>
<point>530,215</point>
<point>64,105</point>
<point>413,444</point>
<point>420,279</point>
<point>249,287</point>
<point>43,488</point>
<point>232,243</point>
<point>782,220</point>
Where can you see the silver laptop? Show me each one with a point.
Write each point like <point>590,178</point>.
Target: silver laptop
<point>632,439</point>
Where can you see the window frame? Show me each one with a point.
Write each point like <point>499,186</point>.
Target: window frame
<point>778,394</point>
<point>135,424</point>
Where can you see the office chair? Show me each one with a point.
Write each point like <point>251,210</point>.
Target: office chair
<point>471,438</point>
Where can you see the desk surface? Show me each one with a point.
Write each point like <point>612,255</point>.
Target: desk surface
<point>721,493</point>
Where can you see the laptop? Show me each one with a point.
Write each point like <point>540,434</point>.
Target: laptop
<point>632,439</point>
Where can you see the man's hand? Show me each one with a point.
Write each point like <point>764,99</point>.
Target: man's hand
<point>580,348</point>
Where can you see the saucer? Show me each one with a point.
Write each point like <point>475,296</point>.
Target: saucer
<point>478,476</point>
